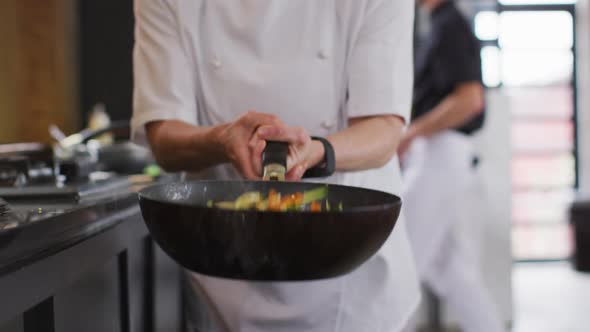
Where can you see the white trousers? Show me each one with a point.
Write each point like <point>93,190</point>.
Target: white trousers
<point>437,171</point>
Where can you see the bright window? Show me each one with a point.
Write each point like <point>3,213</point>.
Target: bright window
<point>490,59</point>
<point>542,136</point>
<point>555,104</point>
<point>536,68</point>
<point>528,54</point>
<point>537,2</point>
<point>536,30</point>
<point>486,25</point>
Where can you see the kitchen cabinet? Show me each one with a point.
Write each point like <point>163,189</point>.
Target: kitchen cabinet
<point>98,271</point>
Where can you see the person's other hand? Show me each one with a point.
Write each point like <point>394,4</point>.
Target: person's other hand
<point>303,151</point>
<point>239,141</point>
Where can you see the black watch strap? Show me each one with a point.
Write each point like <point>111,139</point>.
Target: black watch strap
<point>328,164</point>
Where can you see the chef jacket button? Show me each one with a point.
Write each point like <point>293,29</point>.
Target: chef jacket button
<point>327,124</point>
<point>322,54</point>
<point>217,63</point>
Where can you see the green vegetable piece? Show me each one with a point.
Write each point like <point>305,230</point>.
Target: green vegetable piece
<point>316,194</point>
<point>209,203</point>
<point>226,205</point>
<point>152,170</point>
<point>295,207</point>
<point>247,200</point>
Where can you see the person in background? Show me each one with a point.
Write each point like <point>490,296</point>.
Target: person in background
<point>336,69</point>
<point>437,159</point>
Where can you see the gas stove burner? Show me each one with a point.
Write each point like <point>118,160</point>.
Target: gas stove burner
<point>23,165</point>
<point>13,171</point>
<point>3,208</point>
<point>34,171</point>
<point>18,171</point>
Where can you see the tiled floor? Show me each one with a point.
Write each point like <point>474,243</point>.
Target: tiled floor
<point>550,297</point>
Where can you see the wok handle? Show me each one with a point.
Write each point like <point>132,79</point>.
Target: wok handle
<point>274,161</point>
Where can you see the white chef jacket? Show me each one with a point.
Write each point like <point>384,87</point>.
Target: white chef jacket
<point>314,63</point>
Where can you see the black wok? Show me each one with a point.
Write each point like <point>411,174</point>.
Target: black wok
<point>267,246</point>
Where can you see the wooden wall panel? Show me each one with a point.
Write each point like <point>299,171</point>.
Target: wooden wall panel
<point>42,69</point>
<point>8,115</point>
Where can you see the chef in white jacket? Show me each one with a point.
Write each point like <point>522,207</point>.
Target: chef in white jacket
<point>340,69</point>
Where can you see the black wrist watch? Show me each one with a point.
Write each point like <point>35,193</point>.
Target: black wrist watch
<point>327,166</point>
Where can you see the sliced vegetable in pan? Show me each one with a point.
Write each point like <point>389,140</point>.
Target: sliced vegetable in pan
<point>312,200</point>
